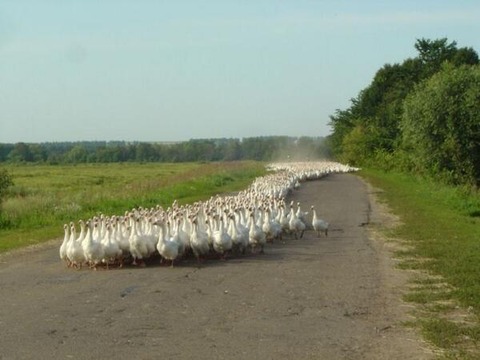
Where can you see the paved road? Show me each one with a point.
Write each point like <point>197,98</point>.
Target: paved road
<point>327,298</point>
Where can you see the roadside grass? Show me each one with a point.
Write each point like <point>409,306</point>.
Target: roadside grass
<point>45,197</point>
<point>441,225</point>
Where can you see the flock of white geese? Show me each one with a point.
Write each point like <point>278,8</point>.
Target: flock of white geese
<point>219,227</point>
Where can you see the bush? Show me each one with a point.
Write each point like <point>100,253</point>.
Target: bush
<point>441,125</point>
<point>5,182</point>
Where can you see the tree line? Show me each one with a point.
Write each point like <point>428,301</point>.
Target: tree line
<point>421,116</point>
<point>254,148</point>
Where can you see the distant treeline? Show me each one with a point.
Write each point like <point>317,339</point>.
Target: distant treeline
<point>254,148</point>
<point>420,116</point>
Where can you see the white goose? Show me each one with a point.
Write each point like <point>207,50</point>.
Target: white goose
<point>198,241</point>
<point>148,236</point>
<point>74,250</point>
<point>183,237</point>
<point>295,224</point>
<point>81,237</point>
<point>271,227</point>
<point>167,245</point>
<point>319,225</point>
<point>222,242</point>
<point>64,246</point>
<point>92,249</point>
<point>283,219</point>
<point>239,235</point>
<point>209,231</point>
<point>301,215</point>
<point>256,237</point>
<point>138,247</point>
<point>112,251</point>
<point>122,235</point>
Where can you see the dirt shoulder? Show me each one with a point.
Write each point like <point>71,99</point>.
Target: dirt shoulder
<point>396,340</point>
<point>335,297</point>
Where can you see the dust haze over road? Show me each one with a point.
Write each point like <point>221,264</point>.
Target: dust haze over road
<point>334,297</point>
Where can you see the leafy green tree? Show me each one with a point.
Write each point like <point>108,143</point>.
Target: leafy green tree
<point>342,122</point>
<point>360,144</point>
<point>441,125</point>
<point>376,111</point>
<point>5,150</point>
<point>77,154</point>
<point>374,117</point>
<point>144,152</point>
<point>232,150</point>
<point>465,56</point>
<point>435,52</point>
<point>20,153</point>
<point>38,153</point>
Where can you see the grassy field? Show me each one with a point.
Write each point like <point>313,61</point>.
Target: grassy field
<point>45,197</point>
<point>441,227</point>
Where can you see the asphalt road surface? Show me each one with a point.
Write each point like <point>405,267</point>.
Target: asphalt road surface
<point>335,297</point>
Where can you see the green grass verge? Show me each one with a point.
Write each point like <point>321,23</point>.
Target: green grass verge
<point>44,197</point>
<point>442,225</point>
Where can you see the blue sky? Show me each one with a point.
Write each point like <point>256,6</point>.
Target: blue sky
<point>73,70</point>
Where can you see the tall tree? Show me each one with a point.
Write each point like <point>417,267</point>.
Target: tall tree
<point>441,125</point>
<point>435,51</point>
<point>371,126</point>
<point>20,153</point>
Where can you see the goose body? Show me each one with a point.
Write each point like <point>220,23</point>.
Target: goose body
<point>149,238</point>
<point>167,245</point>
<point>75,252</point>
<point>122,235</point>
<point>181,237</point>
<point>319,225</point>
<point>138,246</point>
<point>199,241</point>
<point>283,219</point>
<point>222,242</point>
<point>63,247</point>
<point>111,249</point>
<point>256,237</point>
<point>296,225</point>
<point>271,227</point>
<point>301,215</point>
<point>239,235</point>
<point>92,249</point>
